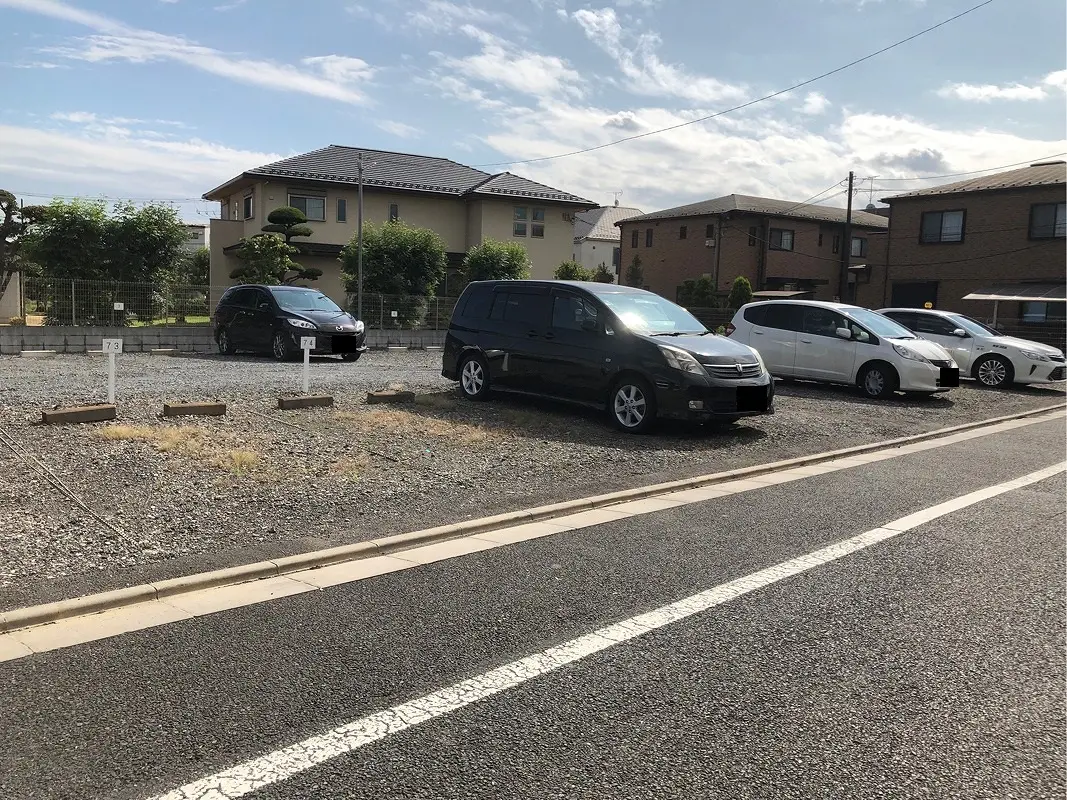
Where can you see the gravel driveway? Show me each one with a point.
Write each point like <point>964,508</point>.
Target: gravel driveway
<point>184,496</point>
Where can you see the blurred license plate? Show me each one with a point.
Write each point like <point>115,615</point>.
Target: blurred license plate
<point>950,377</point>
<point>344,344</point>
<point>751,398</point>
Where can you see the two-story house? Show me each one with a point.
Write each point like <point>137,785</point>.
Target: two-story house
<point>776,244</point>
<point>463,205</point>
<point>997,236</point>
<point>596,236</point>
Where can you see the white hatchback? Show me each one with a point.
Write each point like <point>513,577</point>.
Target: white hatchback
<point>984,353</point>
<point>837,343</point>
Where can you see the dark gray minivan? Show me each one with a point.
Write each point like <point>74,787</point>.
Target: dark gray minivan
<point>632,352</point>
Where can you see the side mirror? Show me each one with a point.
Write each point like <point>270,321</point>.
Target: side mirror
<point>588,324</point>
<point>960,332</point>
<point>844,333</point>
<point>264,306</point>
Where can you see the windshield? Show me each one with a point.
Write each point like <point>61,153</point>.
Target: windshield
<point>879,325</point>
<point>973,326</point>
<point>651,314</point>
<point>308,300</point>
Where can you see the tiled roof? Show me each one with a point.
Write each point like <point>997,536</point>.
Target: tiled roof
<point>599,223</point>
<point>405,171</point>
<point>764,205</point>
<point>1043,173</point>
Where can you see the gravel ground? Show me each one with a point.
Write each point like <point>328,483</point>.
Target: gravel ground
<point>205,493</point>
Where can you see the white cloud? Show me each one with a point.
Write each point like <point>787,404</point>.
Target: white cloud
<point>442,16</point>
<point>814,103</point>
<point>332,77</point>
<point>646,73</point>
<point>399,129</point>
<point>40,65</point>
<point>987,92</point>
<point>361,11</point>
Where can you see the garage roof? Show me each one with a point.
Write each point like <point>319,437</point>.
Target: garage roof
<point>1039,292</point>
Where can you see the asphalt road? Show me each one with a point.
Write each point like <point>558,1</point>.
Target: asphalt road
<point>928,665</point>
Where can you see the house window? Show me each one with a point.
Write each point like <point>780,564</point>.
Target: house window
<point>1048,221</point>
<point>859,247</point>
<point>781,239</point>
<point>683,232</point>
<point>314,208</point>
<point>940,227</point>
<point>518,228</point>
<point>648,238</point>
<point>1035,313</point>
<point>634,237</point>
<point>709,232</point>
<point>342,210</point>
<point>537,227</point>
<point>248,207</point>
<point>820,238</point>
<point>394,212</point>
<point>616,258</point>
<point>753,234</point>
<point>837,244</point>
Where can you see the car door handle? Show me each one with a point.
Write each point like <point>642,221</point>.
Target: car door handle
<point>532,334</point>
<point>550,335</point>
<point>757,333</point>
<point>806,341</point>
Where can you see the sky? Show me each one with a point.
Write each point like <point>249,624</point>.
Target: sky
<point>166,99</point>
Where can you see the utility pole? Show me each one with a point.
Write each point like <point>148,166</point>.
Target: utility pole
<point>359,239</point>
<point>846,245</point>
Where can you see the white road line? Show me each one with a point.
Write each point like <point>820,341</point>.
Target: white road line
<point>290,761</point>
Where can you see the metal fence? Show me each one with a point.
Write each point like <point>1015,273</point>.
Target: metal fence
<point>76,302</point>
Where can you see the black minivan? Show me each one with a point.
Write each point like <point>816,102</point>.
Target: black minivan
<point>272,319</point>
<point>629,351</point>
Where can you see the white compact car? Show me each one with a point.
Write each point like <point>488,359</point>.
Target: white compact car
<point>984,353</point>
<point>839,343</point>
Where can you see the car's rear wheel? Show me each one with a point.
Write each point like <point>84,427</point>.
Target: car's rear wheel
<point>474,378</point>
<point>280,347</point>
<point>225,343</point>
<point>994,372</point>
<point>632,405</point>
<point>878,380</point>
<point>350,356</point>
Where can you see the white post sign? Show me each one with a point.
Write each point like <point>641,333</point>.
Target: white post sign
<point>120,306</point>
<point>307,344</point>
<point>112,347</point>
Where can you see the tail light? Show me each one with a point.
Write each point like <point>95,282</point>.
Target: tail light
<point>730,329</point>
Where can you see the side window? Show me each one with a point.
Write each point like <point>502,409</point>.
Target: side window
<point>500,302</point>
<point>905,319</point>
<point>756,315</point>
<point>242,298</point>
<point>526,309</point>
<point>570,312</point>
<point>258,298</point>
<point>479,300</point>
<point>784,316</point>
<point>822,321</point>
<point>930,323</point>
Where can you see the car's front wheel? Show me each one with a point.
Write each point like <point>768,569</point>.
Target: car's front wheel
<point>225,343</point>
<point>280,347</point>
<point>632,405</point>
<point>474,378</point>
<point>994,372</point>
<point>878,381</point>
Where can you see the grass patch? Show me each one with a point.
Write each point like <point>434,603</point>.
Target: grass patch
<point>441,401</point>
<point>188,441</point>
<point>406,422</point>
<point>352,468</point>
<point>239,462</point>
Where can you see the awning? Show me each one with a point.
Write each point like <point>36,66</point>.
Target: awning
<point>782,294</point>
<point>1024,292</point>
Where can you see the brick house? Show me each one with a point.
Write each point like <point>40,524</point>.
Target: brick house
<point>998,235</point>
<point>776,244</point>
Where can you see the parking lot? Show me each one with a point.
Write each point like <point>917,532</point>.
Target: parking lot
<point>181,496</point>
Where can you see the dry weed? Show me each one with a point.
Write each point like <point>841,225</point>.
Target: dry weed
<point>352,468</point>
<point>188,441</point>
<point>406,422</point>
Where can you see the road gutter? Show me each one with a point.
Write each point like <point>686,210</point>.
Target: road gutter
<point>30,616</point>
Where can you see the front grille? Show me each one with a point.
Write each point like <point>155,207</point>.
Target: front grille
<point>940,362</point>
<point>731,372</point>
<point>1057,374</point>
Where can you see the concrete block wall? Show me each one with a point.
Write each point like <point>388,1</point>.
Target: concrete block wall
<point>186,339</point>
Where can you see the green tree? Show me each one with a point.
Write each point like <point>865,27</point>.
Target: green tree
<point>198,268</point>
<point>603,275</point>
<point>13,227</point>
<point>493,260</point>
<point>635,274</point>
<point>698,294</point>
<point>69,241</point>
<point>289,222</point>
<point>572,271</point>
<point>740,292</point>
<point>265,258</point>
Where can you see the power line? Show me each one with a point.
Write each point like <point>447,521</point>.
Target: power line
<point>771,96</point>
<point>973,172</point>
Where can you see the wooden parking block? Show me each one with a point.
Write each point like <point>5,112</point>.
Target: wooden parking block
<point>390,396</point>
<point>65,416</point>
<point>194,409</point>
<point>305,401</point>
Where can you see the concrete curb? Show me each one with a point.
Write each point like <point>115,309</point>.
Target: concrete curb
<point>118,598</point>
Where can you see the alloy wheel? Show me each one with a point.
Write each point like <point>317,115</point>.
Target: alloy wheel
<point>992,372</point>
<point>630,406</point>
<point>278,345</point>
<point>224,342</point>
<point>472,377</point>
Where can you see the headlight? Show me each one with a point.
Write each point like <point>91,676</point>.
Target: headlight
<point>679,359</point>
<point>759,359</point>
<point>359,326</point>
<point>904,352</point>
<point>1035,356</point>
<point>301,323</point>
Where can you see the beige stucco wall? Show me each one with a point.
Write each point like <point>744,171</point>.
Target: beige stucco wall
<point>11,299</point>
<point>547,253</point>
